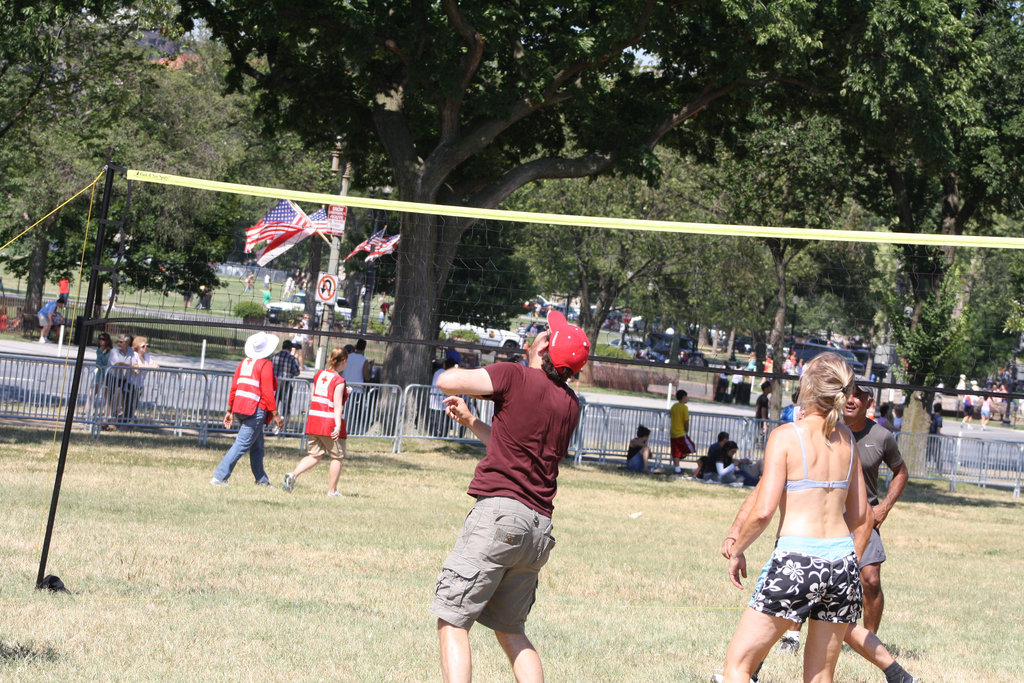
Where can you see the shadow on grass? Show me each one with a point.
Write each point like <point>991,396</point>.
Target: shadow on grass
<point>931,492</point>
<point>17,652</point>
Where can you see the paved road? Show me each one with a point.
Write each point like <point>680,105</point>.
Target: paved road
<point>27,348</point>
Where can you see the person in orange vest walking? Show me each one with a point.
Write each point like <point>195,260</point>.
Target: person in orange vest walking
<point>325,423</point>
<point>252,399</point>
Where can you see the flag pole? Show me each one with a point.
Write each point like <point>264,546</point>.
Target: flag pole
<point>333,265</point>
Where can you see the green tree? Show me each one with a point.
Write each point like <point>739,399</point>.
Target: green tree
<point>930,109</point>
<point>468,104</point>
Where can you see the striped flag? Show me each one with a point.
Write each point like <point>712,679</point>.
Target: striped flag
<point>386,247</point>
<point>319,219</point>
<point>283,220</point>
<point>374,242</point>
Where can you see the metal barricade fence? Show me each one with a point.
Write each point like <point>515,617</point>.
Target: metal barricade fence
<point>36,389</point>
<point>967,460</point>
<point>606,429</point>
<point>33,388</point>
<point>423,417</point>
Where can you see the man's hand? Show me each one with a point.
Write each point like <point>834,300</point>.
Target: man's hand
<point>456,409</point>
<point>278,420</point>
<point>726,547</point>
<point>880,514</point>
<point>737,567</point>
<point>229,419</point>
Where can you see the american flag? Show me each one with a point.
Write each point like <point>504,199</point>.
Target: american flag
<point>284,219</point>
<point>386,247</point>
<point>375,241</point>
<point>319,219</point>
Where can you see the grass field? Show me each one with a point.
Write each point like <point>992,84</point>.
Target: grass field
<point>174,579</point>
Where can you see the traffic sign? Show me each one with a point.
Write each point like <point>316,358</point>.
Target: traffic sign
<point>327,288</point>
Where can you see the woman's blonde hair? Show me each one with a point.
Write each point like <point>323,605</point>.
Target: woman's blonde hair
<point>337,355</point>
<point>825,386</point>
<point>138,342</point>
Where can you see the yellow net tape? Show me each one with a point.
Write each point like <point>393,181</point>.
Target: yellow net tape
<point>59,207</point>
<point>586,221</point>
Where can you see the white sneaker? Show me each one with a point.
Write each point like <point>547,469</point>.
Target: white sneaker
<point>218,482</point>
<point>289,482</point>
<point>42,340</point>
<point>334,494</point>
<point>789,645</point>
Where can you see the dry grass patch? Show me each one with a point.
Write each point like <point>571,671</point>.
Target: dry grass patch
<point>174,579</point>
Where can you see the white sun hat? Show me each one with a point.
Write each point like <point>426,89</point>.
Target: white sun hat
<point>261,345</point>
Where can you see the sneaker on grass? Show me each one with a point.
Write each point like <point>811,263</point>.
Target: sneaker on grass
<point>334,494</point>
<point>789,645</point>
<point>218,482</point>
<point>265,482</point>
<point>289,482</point>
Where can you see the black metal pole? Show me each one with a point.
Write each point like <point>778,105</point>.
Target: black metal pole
<point>76,379</point>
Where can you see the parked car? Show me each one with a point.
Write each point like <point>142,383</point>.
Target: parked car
<point>297,302</point>
<point>661,347</point>
<point>878,370</point>
<point>805,352</point>
<point>634,347</point>
<point>488,336</point>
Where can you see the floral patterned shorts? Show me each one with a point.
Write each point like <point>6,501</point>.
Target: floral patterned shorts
<point>810,582</point>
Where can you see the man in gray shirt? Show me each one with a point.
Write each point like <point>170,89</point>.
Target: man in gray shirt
<point>876,445</point>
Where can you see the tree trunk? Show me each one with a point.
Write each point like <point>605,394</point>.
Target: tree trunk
<point>37,269</point>
<point>415,311</point>
<point>778,334</point>
<point>916,413</point>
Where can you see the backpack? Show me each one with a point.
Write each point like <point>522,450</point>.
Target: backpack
<point>787,413</point>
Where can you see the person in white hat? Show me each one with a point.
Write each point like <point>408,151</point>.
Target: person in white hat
<point>252,398</point>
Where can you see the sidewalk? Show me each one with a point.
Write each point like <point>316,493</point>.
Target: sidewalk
<point>70,351</point>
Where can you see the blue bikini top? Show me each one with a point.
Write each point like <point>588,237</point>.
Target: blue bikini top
<point>805,483</point>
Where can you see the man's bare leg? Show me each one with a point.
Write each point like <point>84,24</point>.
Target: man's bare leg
<point>524,658</point>
<point>456,658</point>
<point>874,599</point>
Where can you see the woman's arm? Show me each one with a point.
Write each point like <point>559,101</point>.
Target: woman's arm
<point>769,491</point>
<point>339,409</point>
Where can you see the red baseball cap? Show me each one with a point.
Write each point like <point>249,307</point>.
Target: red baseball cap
<point>568,346</point>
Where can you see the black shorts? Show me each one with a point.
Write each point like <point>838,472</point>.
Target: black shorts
<point>810,578</point>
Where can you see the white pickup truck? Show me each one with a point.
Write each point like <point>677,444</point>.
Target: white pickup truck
<point>489,336</point>
<point>297,302</point>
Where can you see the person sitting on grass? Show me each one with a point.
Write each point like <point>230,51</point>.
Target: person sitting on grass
<point>723,467</point>
<point>638,453</point>
<point>706,463</point>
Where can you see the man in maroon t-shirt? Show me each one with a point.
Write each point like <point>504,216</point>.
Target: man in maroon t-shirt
<point>491,575</point>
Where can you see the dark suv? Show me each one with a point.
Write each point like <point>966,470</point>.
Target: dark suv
<point>879,370</point>
<point>806,352</point>
<point>661,346</point>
